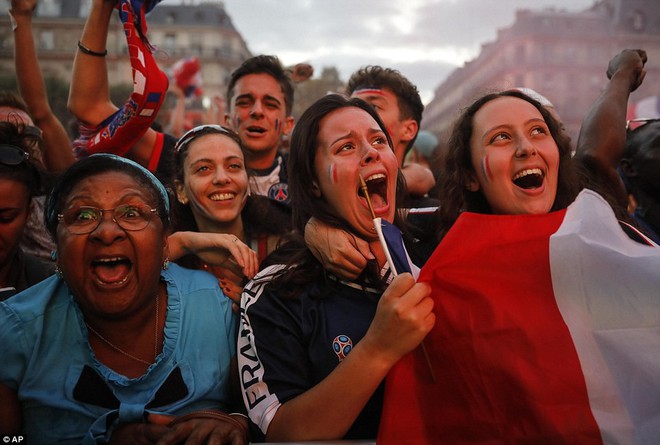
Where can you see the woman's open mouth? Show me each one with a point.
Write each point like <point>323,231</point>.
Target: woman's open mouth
<point>113,271</point>
<point>376,190</point>
<point>529,179</point>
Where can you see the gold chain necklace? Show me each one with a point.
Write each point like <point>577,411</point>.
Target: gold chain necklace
<point>121,351</point>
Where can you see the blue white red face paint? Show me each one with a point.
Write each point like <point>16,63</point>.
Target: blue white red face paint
<point>485,168</point>
<point>332,173</point>
<point>369,90</point>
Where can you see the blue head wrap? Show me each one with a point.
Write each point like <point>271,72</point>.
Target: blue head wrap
<point>79,171</point>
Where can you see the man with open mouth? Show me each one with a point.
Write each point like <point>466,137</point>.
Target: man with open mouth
<point>259,104</point>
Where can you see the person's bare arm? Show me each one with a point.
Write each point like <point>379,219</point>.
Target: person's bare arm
<point>89,95</point>
<point>216,112</point>
<point>57,145</point>
<point>419,179</point>
<point>341,253</point>
<point>89,98</point>
<point>403,318</point>
<point>177,113</point>
<point>220,249</point>
<point>603,134</point>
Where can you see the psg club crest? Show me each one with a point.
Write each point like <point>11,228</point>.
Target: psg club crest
<point>279,192</point>
<point>342,345</point>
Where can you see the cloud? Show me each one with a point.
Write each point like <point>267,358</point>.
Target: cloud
<point>424,39</point>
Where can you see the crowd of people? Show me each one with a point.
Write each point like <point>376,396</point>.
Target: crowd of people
<point>210,286</point>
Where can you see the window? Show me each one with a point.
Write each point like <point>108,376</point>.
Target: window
<point>170,41</point>
<point>49,8</point>
<point>47,40</point>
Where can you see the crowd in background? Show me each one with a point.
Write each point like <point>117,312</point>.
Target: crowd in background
<point>256,278</point>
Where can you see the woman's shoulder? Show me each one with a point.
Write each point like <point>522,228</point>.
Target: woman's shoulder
<point>259,284</point>
<point>274,281</point>
<point>28,313</point>
<point>189,281</point>
<point>36,300</point>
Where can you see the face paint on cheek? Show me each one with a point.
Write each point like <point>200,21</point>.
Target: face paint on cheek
<point>277,124</point>
<point>332,173</point>
<point>237,122</point>
<point>485,167</point>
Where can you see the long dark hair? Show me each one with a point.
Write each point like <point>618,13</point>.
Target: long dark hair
<point>182,215</point>
<point>303,268</point>
<point>260,215</point>
<point>458,172</point>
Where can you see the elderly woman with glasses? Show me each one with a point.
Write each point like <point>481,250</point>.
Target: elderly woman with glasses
<point>19,182</point>
<point>218,225</point>
<point>120,346</point>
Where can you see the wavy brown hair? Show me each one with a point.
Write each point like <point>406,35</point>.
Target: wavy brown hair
<point>302,267</point>
<point>455,197</point>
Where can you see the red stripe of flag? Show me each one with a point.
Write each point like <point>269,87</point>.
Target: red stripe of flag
<point>507,370</point>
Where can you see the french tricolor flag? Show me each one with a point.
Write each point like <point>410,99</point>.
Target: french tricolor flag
<point>395,251</point>
<point>547,332</point>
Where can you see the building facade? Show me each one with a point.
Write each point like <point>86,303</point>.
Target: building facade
<point>202,29</point>
<point>561,55</point>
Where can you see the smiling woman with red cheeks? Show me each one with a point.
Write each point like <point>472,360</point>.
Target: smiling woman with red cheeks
<point>515,158</point>
<point>299,322</point>
<point>112,332</point>
<point>218,226</point>
<point>507,155</point>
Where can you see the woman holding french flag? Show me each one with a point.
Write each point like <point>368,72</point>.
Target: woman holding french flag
<point>547,313</point>
<point>314,348</point>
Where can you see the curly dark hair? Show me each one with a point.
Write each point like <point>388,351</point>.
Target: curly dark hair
<point>408,99</point>
<point>263,64</point>
<point>455,197</point>
<point>639,141</point>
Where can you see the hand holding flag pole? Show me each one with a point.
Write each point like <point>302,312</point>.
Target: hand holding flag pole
<point>395,253</point>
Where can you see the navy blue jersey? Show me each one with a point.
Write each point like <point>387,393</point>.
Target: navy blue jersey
<point>288,345</point>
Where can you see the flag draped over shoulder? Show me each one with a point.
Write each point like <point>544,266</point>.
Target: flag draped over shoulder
<point>547,332</point>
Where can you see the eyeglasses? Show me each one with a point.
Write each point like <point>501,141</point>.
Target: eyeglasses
<point>12,155</point>
<point>633,124</point>
<point>83,220</point>
<point>196,132</point>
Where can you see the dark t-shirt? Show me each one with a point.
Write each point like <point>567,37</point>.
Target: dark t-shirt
<point>294,343</point>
